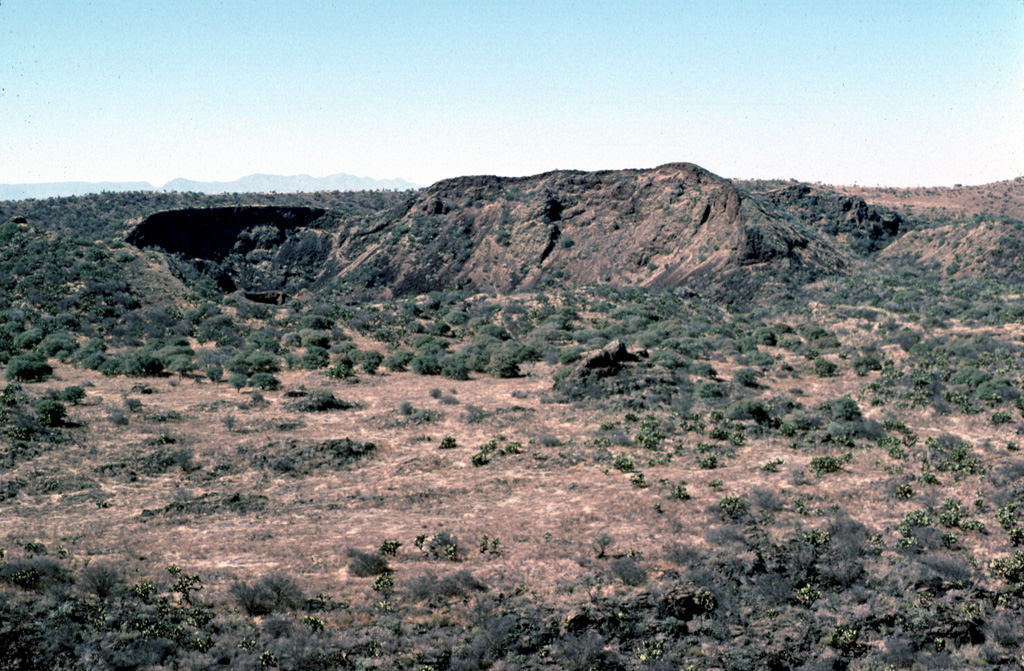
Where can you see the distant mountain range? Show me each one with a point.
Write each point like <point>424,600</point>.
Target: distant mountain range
<point>248,184</point>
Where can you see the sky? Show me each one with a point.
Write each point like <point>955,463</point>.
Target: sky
<point>870,92</point>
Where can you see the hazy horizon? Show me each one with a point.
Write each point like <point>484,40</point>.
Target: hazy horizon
<point>870,93</point>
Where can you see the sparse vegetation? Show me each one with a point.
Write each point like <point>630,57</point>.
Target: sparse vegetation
<point>688,479</point>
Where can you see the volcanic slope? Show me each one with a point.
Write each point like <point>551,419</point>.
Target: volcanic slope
<point>675,226</point>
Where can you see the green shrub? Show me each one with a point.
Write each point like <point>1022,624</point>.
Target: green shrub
<point>214,373</point>
<point>623,463</point>
<point>315,358</point>
<point>649,434</point>
<point>28,368</point>
<point>455,368</point>
<point>390,547</point>
<point>863,365</point>
<point>710,390</point>
<point>320,339</point>
<point>29,339</point>
<point>996,391</point>
<point>1007,516</point>
<point>370,361</point>
<point>821,465</point>
<point>73,394</point>
<point>398,361</point>
<point>448,443</point>
<point>58,345</point>
<point>732,506</point>
<point>426,363</point>
<point>824,368</point>
<point>747,377</point>
<point>50,412</point>
<point>141,364</point>
<point>846,409</point>
<point>1010,569</point>
<point>264,381</point>
<point>1000,417</point>
<point>503,364</point>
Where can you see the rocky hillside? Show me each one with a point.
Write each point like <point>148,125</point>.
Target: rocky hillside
<point>676,226</point>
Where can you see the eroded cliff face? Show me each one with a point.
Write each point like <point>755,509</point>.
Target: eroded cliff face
<point>266,252</point>
<point>676,226</point>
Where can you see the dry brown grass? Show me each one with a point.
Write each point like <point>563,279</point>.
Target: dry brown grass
<point>545,505</point>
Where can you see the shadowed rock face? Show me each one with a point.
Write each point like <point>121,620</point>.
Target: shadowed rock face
<point>674,227</point>
<point>214,233</point>
<point>267,252</point>
<point>864,228</point>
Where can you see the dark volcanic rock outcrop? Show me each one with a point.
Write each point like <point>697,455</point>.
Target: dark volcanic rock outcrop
<point>674,227</point>
<point>262,250</point>
<point>865,228</point>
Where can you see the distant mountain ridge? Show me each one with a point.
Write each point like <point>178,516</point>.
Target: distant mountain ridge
<point>257,183</point>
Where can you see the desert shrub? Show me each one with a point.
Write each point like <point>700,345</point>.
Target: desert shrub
<point>443,545</point>
<point>950,454</point>
<point>93,360</point>
<point>845,409</point>
<point>733,506</point>
<point>364,564</point>
<point>825,464</point>
<point>29,339</point>
<point>763,335</point>
<point>710,390</point>
<point>996,391</point>
<point>504,364</point>
<point>322,400</point>
<point>1010,569</point>
<point>342,368</point>
<point>749,409</point>
<point>1007,516</point>
<point>73,394</point>
<point>272,593</point>
<point>214,373</point>
<point>58,345</point>
<point>389,547</point>
<point>747,377</point>
<point>425,363</point>
<point>315,358</point>
<point>570,355</point>
<point>321,339</point>
<point>163,458</point>
<point>623,463</point>
<point>50,412</point>
<point>34,573</point>
<point>649,433</point>
<point>863,365</point>
<point>824,368</point>
<point>585,652</point>
<point>455,368</point>
<point>102,580</point>
<point>398,361</point>
<point>370,361</point>
<point>1000,417</point>
<point>628,570</point>
<point>28,368</point>
<point>428,587</point>
<point>264,381</point>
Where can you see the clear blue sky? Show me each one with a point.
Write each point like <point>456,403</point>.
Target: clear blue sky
<point>902,93</point>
